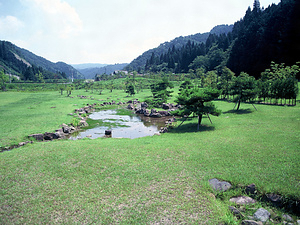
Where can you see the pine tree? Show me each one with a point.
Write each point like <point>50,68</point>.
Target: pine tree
<point>256,6</point>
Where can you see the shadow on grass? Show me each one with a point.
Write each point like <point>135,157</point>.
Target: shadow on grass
<point>240,111</point>
<point>191,128</point>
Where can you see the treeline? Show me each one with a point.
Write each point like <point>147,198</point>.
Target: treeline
<point>262,36</point>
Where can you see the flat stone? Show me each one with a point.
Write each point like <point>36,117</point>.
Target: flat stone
<point>219,185</point>
<point>262,215</point>
<point>251,222</point>
<point>243,200</point>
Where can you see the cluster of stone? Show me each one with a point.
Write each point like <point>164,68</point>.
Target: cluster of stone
<point>142,109</point>
<point>261,215</point>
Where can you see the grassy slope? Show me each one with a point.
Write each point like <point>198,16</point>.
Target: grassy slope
<point>148,180</point>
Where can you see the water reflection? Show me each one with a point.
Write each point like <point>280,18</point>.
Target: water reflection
<point>122,126</point>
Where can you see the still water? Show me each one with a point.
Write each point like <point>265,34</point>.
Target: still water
<point>122,123</point>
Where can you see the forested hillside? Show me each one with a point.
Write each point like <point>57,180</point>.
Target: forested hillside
<point>262,36</point>
<point>140,62</point>
<point>25,64</point>
<point>90,73</point>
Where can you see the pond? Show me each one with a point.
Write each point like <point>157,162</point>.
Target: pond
<point>123,124</point>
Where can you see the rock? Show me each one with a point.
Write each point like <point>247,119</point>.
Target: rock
<point>156,134</point>
<point>166,106</point>
<point>130,106</point>
<point>108,132</point>
<point>60,134</point>
<point>164,113</point>
<point>66,129</point>
<point>251,222</point>
<point>38,137</point>
<point>275,199</point>
<point>262,215</point>
<point>163,130</point>
<point>236,212</point>
<point>144,105</point>
<point>83,123</point>
<point>219,185</point>
<point>242,200</point>
<point>298,222</point>
<point>250,189</point>
<point>155,115</point>
<point>287,218</point>
<point>50,136</point>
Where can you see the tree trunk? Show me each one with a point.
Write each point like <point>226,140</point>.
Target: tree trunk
<point>199,121</point>
<point>239,103</point>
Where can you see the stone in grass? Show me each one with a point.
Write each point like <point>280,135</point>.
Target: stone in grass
<point>236,212</point>
<point>298,222</point>
<point>250,189</point>
<point>287,218</point>
<point>262,214</point>
<point>243,200</point>
<point>251,222</point>
<point>219,185</point>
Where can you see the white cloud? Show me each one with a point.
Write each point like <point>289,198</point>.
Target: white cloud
<point>9,25</point>
<point>61,19</point>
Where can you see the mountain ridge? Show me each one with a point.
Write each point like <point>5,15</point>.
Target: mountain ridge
<point>177,43</point>
<point>16,60</point>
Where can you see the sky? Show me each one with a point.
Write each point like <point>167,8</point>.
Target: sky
<point>110,31</point>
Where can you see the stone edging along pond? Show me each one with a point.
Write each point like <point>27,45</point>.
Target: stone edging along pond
<point>82,115</point>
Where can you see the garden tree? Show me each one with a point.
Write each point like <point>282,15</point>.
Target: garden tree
<point>187,84</point>
<point>244,88</point>
<point>160,91</point>
<point>61,88</point>
<point>130,90</point>
<point>224,82</point>
<point>3,79</point>
<point>198,101</point>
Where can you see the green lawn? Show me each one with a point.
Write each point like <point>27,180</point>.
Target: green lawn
<point>160,179</point>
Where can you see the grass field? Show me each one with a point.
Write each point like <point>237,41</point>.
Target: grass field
<point>151,180</point>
